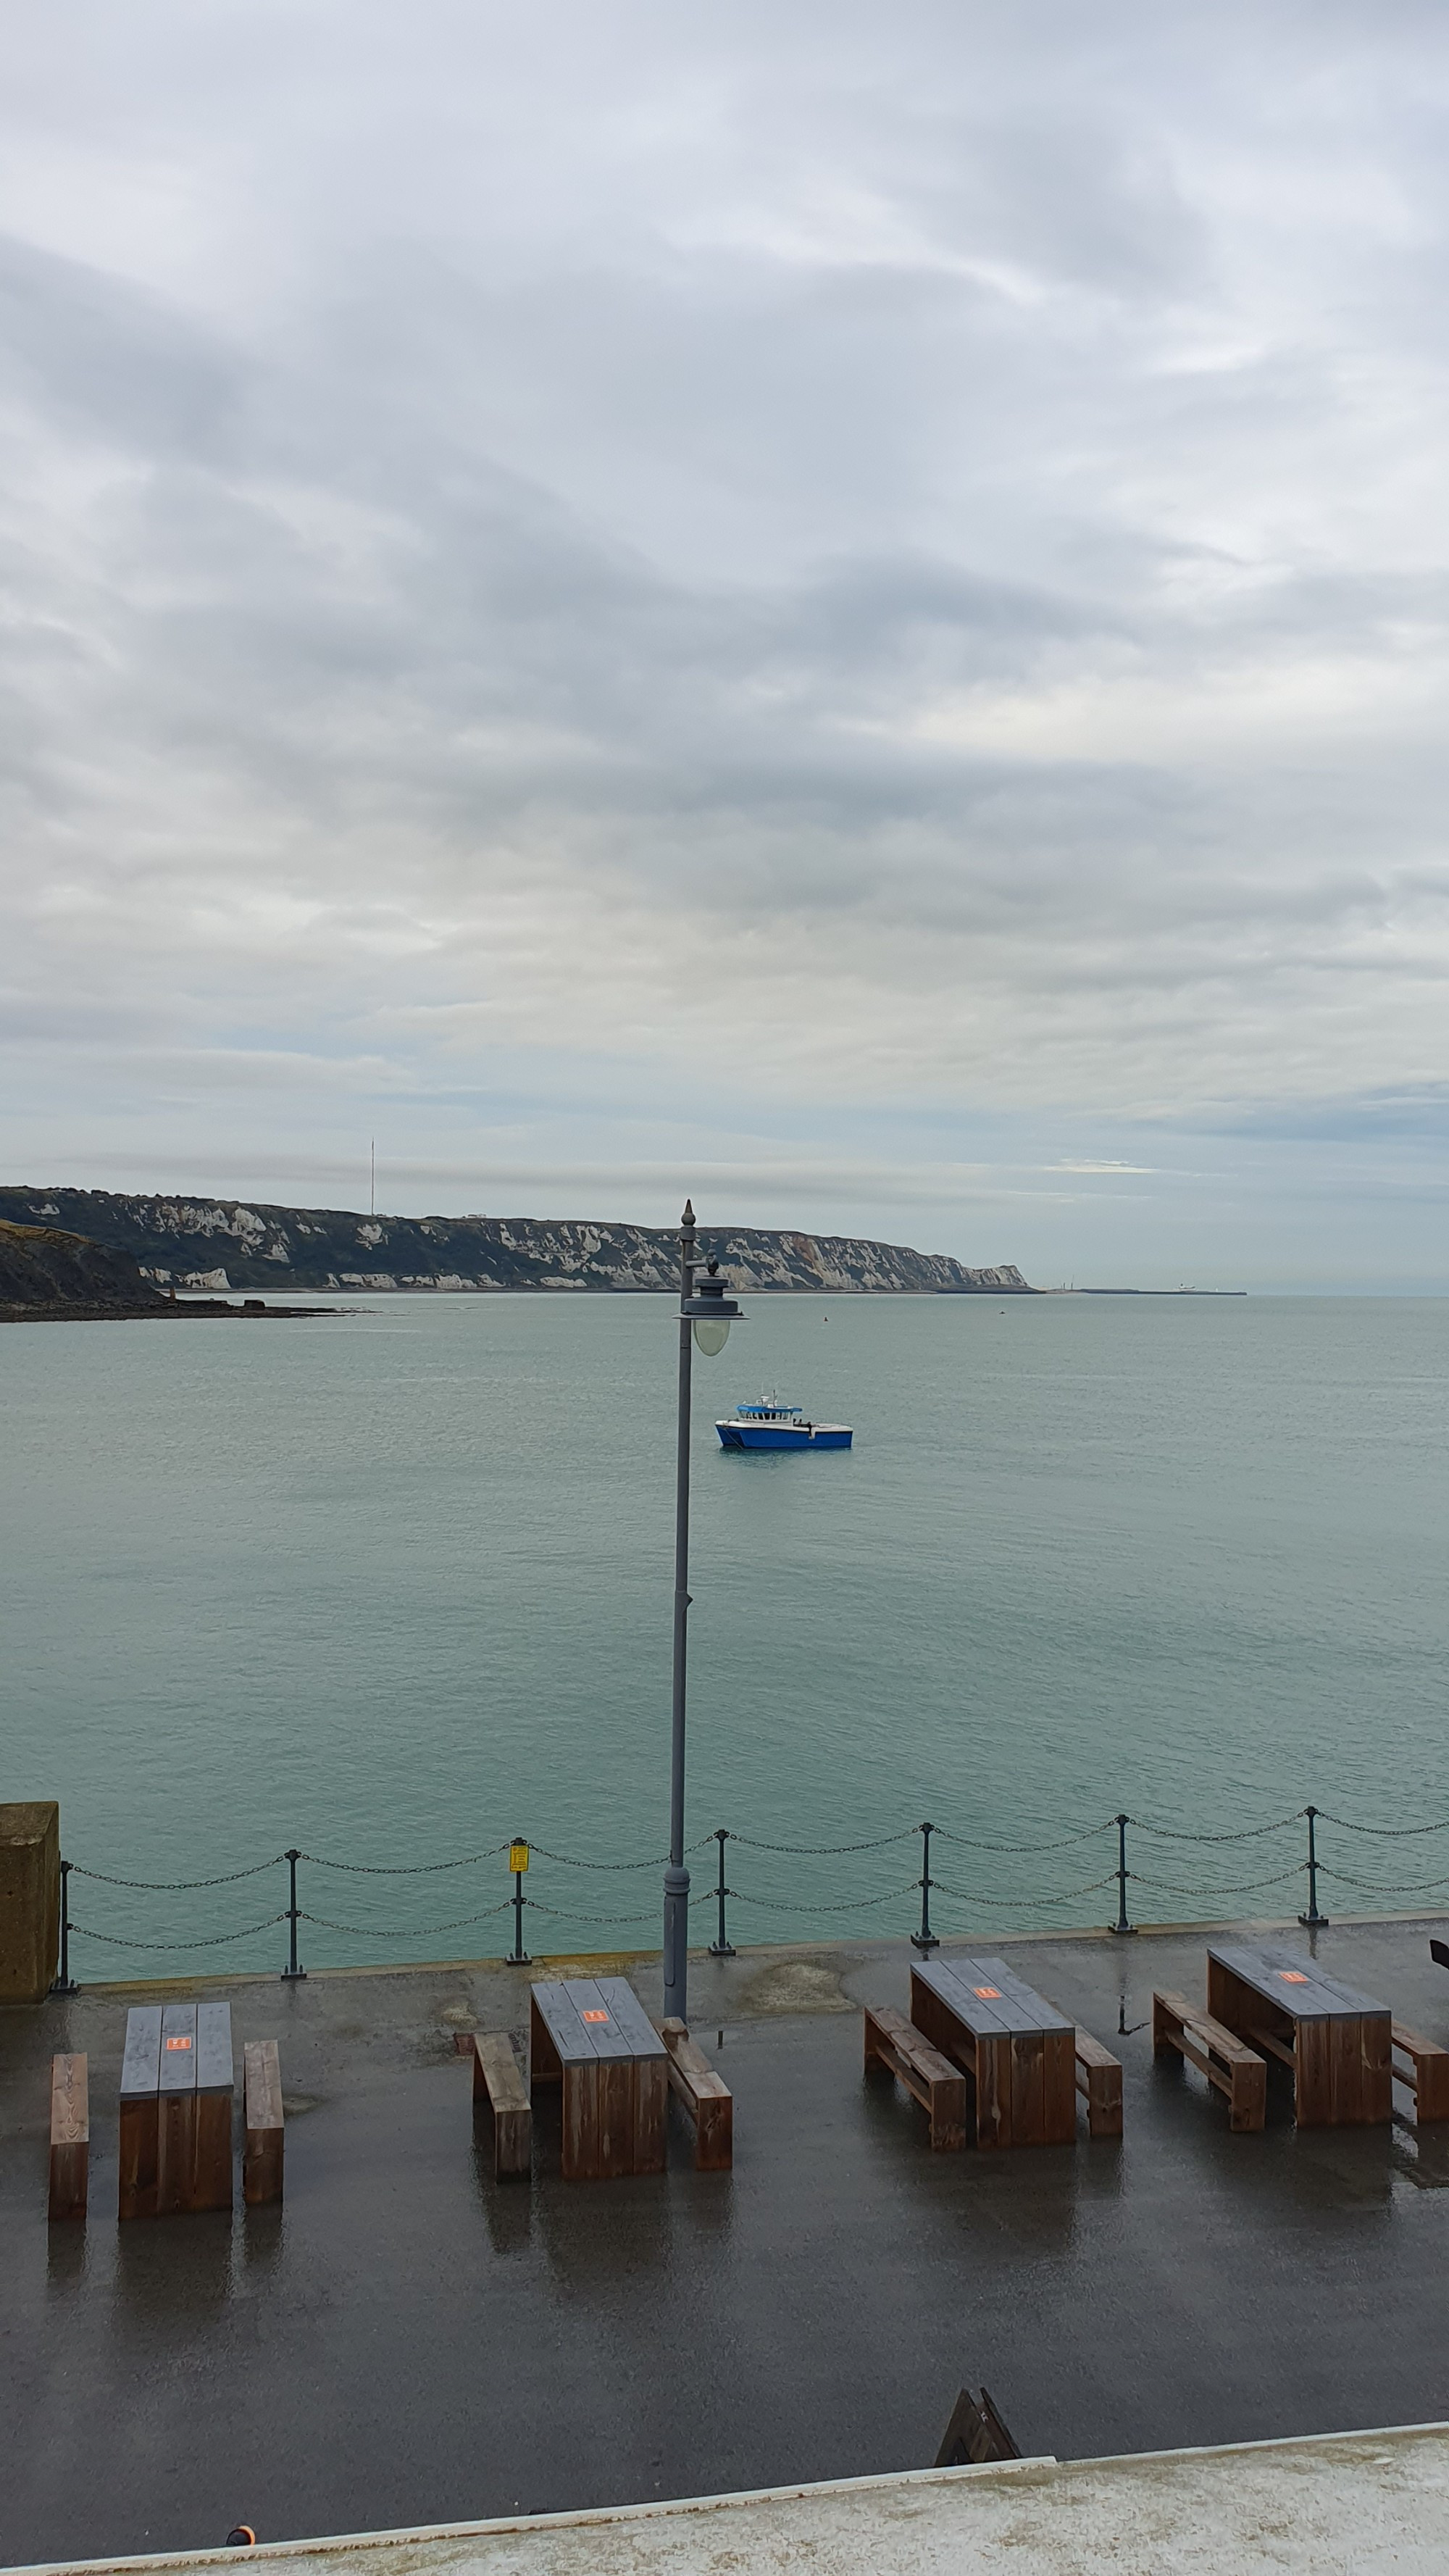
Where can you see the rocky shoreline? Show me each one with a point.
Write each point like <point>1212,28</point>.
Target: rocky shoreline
<point>50,1277</point>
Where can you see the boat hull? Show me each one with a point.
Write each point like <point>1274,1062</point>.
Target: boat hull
<point>782,1435</point>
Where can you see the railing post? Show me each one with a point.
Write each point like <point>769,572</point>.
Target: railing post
<point>518,1957</point>
<point>1312,1920</point>
<point>65,1983</point>
<point>721,1947</point>
<point>925,1939</point>
<point>292,1974</point>
<point>1122,1924</point>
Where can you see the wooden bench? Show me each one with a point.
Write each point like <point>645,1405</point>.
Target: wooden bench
<point>705,2096</point>
<point>1230,2066</point>
<point>70,2137</point>
<point>498,2081</point>
<point>1426,2075</point>
<point>894,2047</point>
<point>1099,2077</point>
<point>263,2135</point>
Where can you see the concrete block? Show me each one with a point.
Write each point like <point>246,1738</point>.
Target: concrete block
<point>29,1900</point>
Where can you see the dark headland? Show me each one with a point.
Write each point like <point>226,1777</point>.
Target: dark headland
<point>50,1277</point>
<point>221,1245</point>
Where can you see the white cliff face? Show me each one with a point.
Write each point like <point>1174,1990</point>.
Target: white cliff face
<point>320,1249</point>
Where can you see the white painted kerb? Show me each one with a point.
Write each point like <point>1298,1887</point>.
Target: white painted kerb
<point>1340,2504</point>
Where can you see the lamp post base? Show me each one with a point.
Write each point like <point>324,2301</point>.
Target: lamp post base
<point>676,1941</point>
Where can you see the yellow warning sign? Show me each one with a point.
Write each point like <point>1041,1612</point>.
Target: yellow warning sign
<point>518,1855</point>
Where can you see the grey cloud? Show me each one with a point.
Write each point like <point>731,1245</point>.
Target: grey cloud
<point>913,560</point>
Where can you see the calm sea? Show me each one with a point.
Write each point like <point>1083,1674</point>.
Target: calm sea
<point>394,1586</point>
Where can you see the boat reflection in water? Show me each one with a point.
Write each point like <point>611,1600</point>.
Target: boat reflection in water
<point>772,1425</point>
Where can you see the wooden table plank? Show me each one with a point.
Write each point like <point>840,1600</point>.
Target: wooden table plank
<point>211,2173</point>
<point>177,2083</point>
<point>141,2063</point>
<point>138,2160</point>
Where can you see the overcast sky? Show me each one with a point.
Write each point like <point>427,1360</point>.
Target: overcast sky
<point>844,607</point>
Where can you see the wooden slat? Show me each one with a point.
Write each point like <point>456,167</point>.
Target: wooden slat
<point>993,2089</point>
<point>70,2134</point>
<point>211,2175</point>
<point>178,2049</point>
<point>141,2064</point>
<point>176,2081</point>
<point>616,2098</point>
<point>215,2060</point>
<point>650,2076</point>
<point>581,2119</point>
<point>262,2154</point>
<point>138,2157</point>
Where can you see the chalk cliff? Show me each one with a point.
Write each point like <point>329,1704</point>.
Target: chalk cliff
<point>220,1244</point>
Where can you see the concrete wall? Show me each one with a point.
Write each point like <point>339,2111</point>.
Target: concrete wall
<point>29,1900</point>
<point>1340,2504</point>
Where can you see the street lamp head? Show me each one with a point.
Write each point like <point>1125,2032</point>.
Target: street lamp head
<point>711,1312</point>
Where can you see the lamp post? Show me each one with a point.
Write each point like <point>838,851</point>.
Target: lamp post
<point>704,1318</point>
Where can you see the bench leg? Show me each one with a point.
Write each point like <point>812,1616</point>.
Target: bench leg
<point>262,2165</point>
<point>70,2171</point>
<point>513,2144</point>
<point>948,2115</point>
<point>1104,2101</point>
<point>714,2133</point>
<point>1248,2101</point>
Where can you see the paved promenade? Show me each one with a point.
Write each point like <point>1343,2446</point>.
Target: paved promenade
<point>405,2343</point>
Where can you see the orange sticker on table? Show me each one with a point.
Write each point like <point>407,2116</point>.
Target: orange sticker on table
<point>178,2043</point>
<point>988,1994</point>
<point>1293,1976</point>
<point>595,2016</point>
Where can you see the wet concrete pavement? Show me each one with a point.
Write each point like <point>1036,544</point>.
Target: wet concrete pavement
<point>403,2341</point>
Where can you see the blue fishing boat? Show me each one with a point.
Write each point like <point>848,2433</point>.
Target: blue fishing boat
<point>773,1425</point>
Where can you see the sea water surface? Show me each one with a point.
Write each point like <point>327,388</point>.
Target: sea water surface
<point>393,1586</point>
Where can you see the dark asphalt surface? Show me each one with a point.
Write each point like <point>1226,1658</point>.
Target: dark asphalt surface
<point>404,2342</point>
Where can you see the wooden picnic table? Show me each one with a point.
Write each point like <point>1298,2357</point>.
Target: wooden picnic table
<point>1337,2042</point>
<point>1018,2049</point>
<point>593,2036</point>
<point>176,2110</point>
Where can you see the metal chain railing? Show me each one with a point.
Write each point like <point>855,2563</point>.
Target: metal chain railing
<point>798,1908</point>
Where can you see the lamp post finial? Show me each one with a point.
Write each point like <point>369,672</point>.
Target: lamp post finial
<point>688,1216</point>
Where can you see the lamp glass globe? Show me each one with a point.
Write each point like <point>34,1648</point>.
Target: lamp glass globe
<point>711,1335</point>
